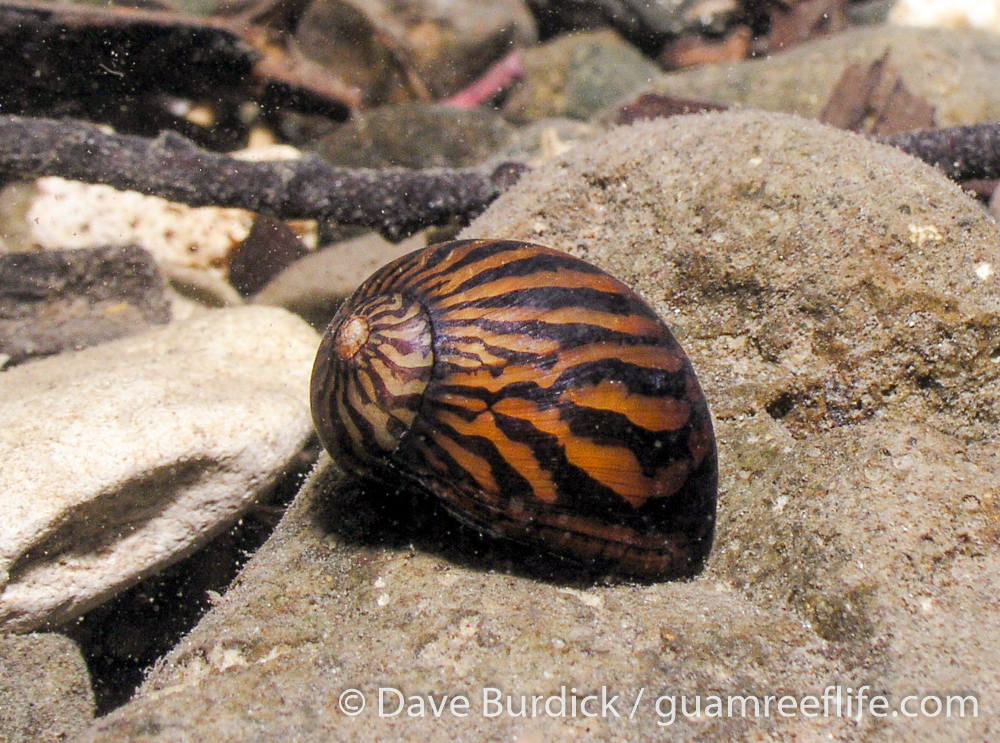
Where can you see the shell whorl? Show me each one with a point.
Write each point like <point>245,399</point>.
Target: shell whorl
<point>370,377</point>
<point>556,406</point>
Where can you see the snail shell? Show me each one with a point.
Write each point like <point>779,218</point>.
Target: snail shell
<point>541,399</point>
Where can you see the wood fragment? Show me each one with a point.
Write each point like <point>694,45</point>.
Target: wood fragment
<point>268,249</point>
<point>657,106</point>
<point>980,189</point>
<point>396,202</point>
<point>962,153</point>
<point>64,57</point>
<point>795,21</point>
<point>874,100</point>
<point>694,49</point>
<point>903,112</point>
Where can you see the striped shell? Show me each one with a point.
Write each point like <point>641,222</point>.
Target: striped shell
<point>537,396</point>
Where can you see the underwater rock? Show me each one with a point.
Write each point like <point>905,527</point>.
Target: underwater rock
<point>577,75</point>
<point>415,135</point>
<point>124,458</point>
<point>957,72</point>
<point>314,286</point>
<point>64,300</point>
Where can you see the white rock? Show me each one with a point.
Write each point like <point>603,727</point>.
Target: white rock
<point>983,14</point>
<point>123,458</point>
<point>64,214</point>
<point>70,214</point>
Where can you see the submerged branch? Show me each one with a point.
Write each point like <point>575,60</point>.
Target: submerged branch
<point>962,153</point>
<point>396,202</point>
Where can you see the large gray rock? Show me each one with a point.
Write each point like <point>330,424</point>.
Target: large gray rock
<point>848,358</point>
<point>123,458</point>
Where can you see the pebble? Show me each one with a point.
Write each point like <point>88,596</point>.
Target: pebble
<point>577,75</point>
<point>63,300</point>
<point>69,214</point>
<point>125,457</point>
<point>415,135</point>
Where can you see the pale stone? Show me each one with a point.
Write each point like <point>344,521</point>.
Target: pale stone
<point>123,458</point>
<point>70,214</point>
<point>983,14</point>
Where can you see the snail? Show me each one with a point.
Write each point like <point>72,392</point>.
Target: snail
<point>538,397</point>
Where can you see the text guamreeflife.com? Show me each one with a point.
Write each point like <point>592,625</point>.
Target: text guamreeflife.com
<point>570,702</point>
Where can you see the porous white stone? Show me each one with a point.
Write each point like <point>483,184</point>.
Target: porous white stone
<point>64,214</point>
<point>70,214</point>
<point>123,458</point>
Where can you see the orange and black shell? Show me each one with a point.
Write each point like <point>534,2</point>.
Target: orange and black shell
<point>541,399</point>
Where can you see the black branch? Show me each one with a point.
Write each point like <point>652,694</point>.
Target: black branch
<point>962,153</point>
<point>396,202</point>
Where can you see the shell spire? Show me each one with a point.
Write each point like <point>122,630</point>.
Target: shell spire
<point>369,378</point>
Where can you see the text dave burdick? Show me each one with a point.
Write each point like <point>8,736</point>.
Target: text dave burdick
<point>569,702</point>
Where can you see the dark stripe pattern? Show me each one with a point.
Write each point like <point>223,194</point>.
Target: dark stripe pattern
<point>540,398</point>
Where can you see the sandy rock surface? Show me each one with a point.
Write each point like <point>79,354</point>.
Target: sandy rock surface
<point>815,275</point>
<point>124,458</point>
<point>365,610</point>
<point>838,301</point>
<point>45,693</point>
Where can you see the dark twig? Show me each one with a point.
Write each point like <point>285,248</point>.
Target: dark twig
<point>962,153</point>
<point>395,202</point>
